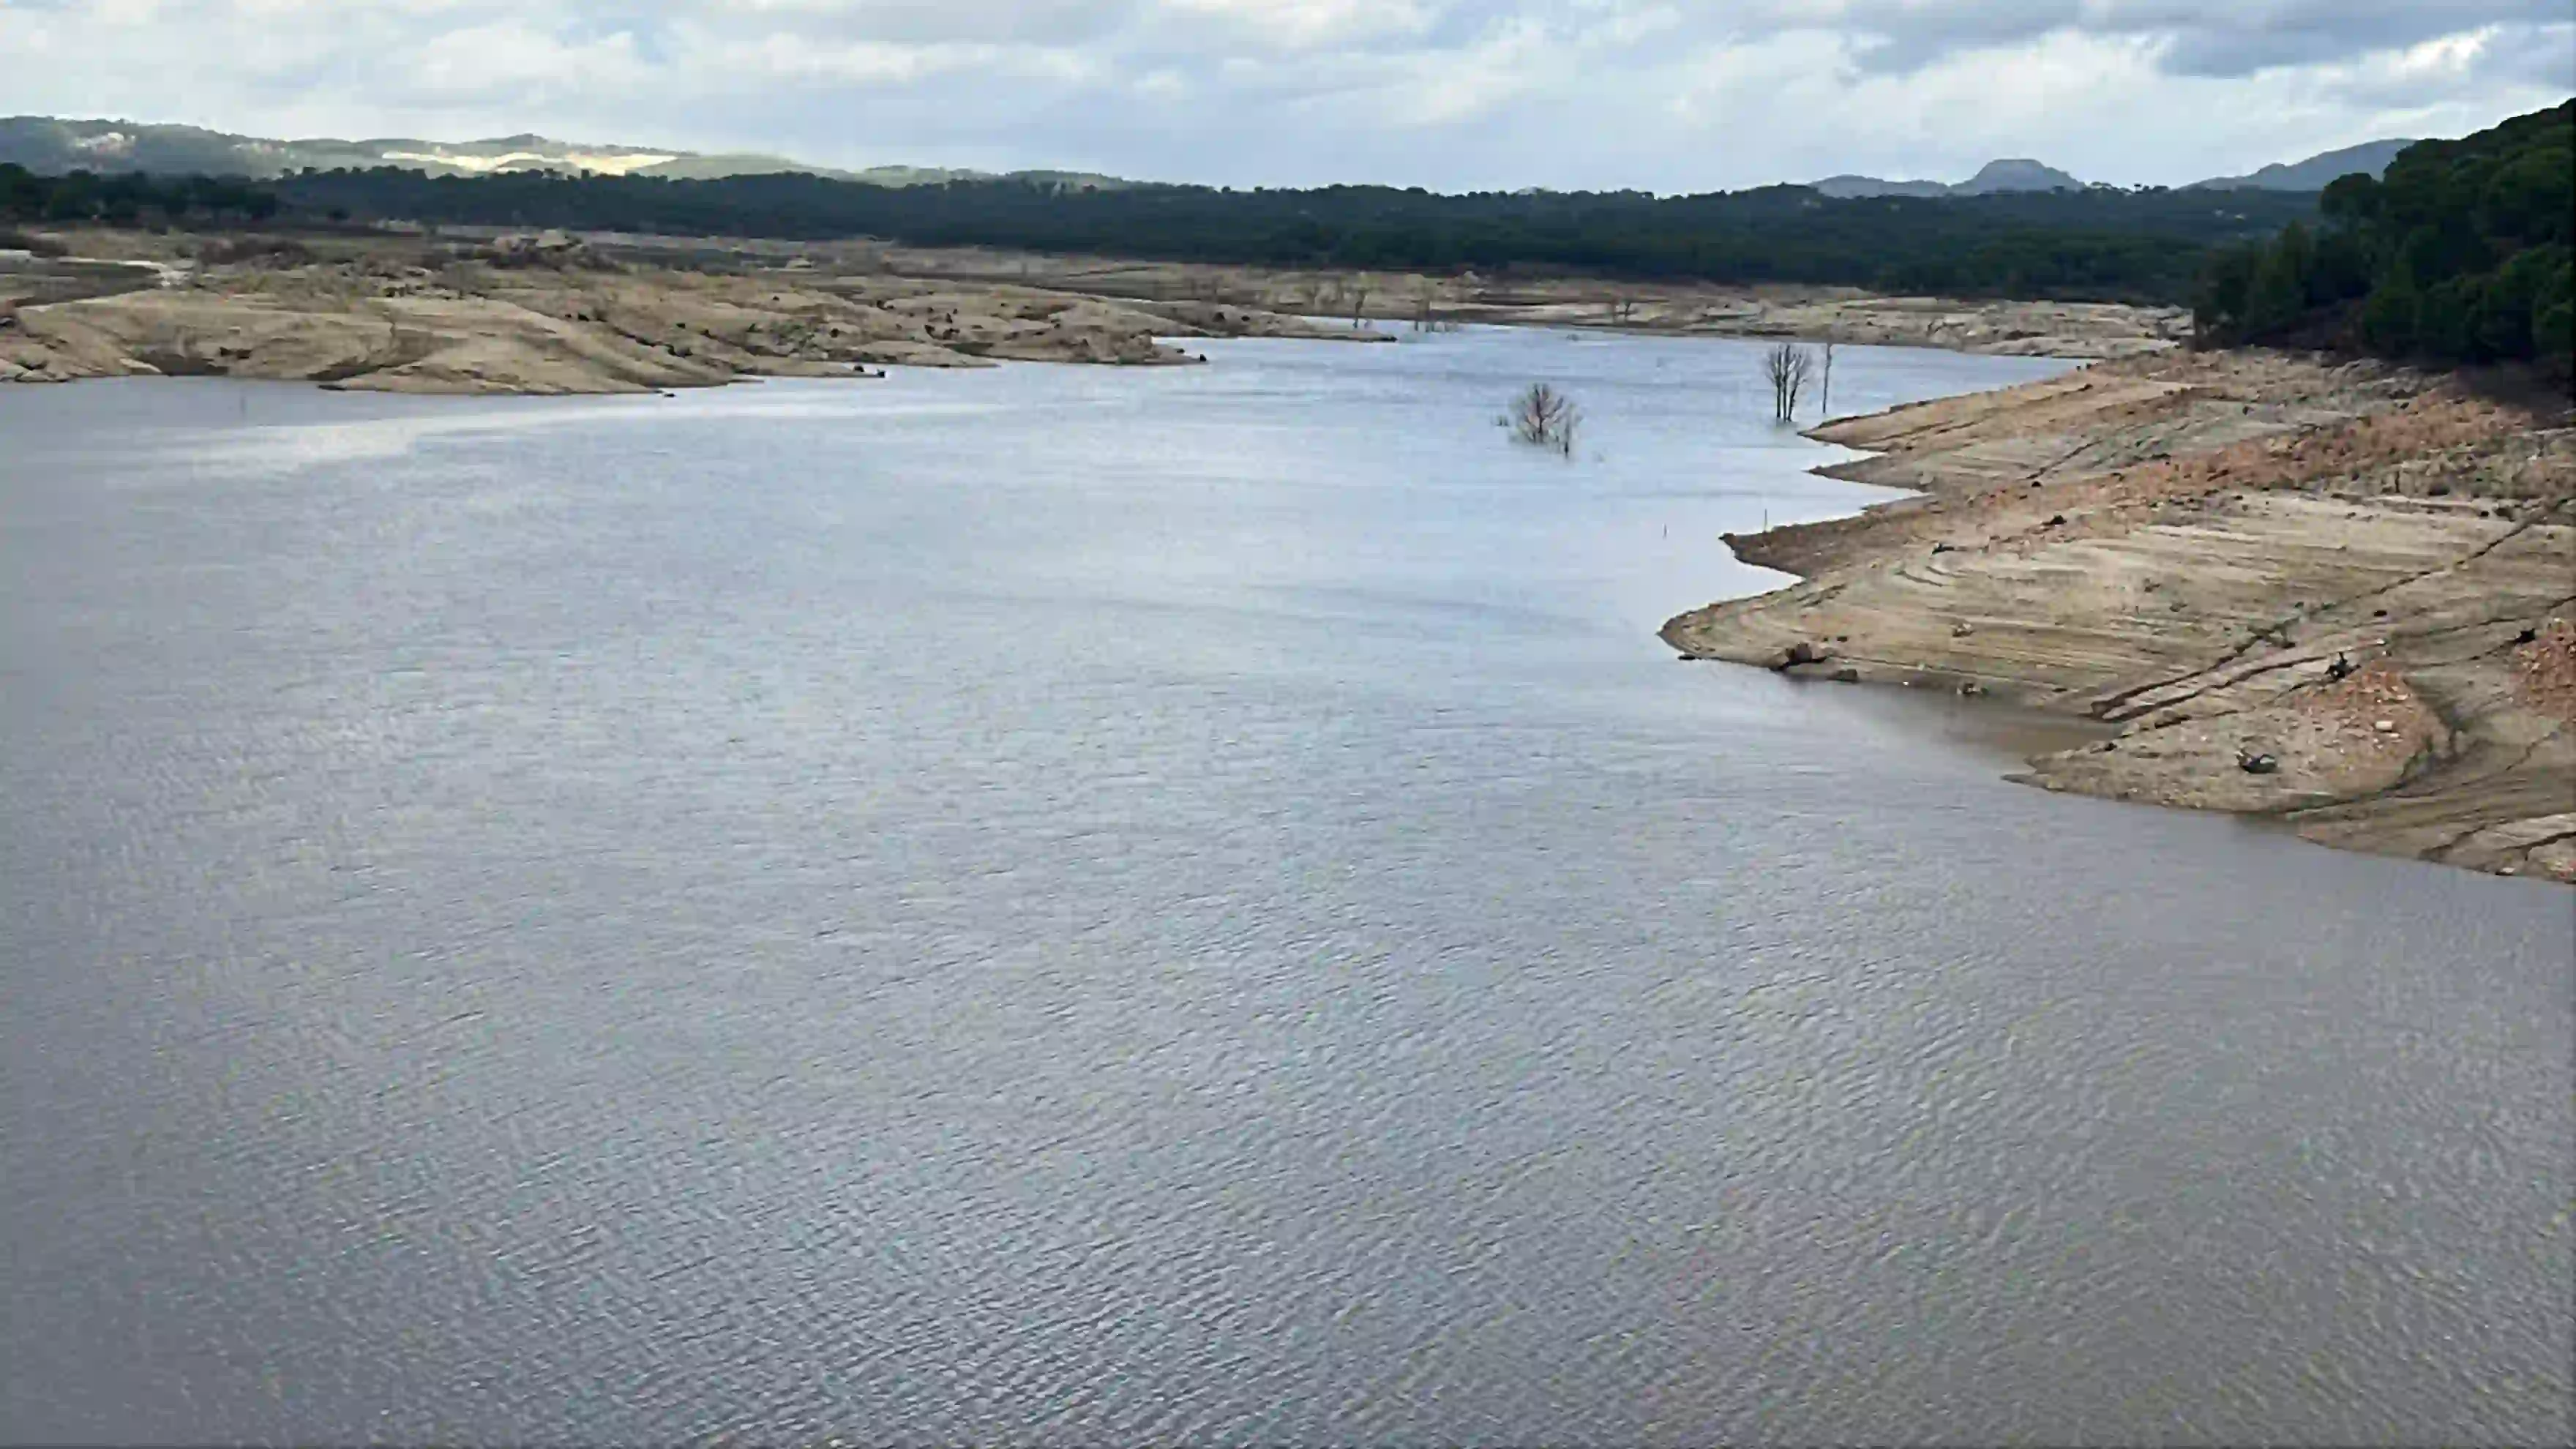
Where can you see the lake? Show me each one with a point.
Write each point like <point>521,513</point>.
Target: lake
<point>1095,905</point>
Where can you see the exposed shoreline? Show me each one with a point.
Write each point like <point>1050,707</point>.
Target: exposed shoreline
<point>2358,581</point>
<point>2344,596</point>
<point>554,313</point>
<point>2084,331</point>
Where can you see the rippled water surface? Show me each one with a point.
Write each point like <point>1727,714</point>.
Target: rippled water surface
<point>1077,905</point>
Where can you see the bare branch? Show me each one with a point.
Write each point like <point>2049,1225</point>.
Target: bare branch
<point>1545,418</point>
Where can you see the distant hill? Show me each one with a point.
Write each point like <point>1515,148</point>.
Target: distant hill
<point>1993,177</point>
<point>2314,174</point>
<point>50,146</point>
<point>1847,187</point>
<point>1997,176</point>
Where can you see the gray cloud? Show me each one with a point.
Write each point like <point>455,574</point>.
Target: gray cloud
<point>2239,40</point>
<point>2218,38</point>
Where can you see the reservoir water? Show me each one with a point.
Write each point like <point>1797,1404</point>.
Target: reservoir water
<point>1081,905</point>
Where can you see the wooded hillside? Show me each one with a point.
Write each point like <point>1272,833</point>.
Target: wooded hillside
<point>2465,252</point>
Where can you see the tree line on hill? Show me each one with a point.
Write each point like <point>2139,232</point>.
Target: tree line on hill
<point>2096,244</point>
<point>132,199</point>
<point>2464,252</point>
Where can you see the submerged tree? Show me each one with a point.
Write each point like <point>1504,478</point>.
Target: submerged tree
<point>1787,367</point>
<point>1545,418</point>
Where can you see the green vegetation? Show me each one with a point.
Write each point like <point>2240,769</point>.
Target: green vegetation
<point>2096,244</point>
<point>2464,252</point>
<point>2100,243</point>
<point>131,200</point>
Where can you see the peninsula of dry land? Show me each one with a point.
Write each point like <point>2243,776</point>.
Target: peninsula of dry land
<point>548,314</point>
<point>2340,595</point>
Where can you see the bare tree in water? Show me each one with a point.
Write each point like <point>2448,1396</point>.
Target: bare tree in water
<point>1786,367</point>
<point>1825,390</point>
<point>1545,418</point>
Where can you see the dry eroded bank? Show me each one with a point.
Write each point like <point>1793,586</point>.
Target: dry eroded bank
<point>563,318</point>
<point>2343,596</point>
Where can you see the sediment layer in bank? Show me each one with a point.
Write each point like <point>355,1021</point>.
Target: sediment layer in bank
<point>2344,596</point>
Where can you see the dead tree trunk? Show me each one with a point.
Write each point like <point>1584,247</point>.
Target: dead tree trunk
<point>1786,367</point>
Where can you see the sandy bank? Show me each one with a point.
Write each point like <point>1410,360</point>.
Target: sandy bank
<point>2343,596</point>
<point>559,316</point>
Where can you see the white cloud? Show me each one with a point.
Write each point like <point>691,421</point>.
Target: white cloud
<point>508,59</point>
<point>1304,24</point>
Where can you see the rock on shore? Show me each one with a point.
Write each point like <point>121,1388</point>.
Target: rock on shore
<point>2344,596</point>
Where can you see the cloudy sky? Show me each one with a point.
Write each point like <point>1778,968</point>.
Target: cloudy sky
<point>1667,95</point>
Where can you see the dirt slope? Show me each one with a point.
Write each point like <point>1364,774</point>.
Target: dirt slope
<point>2345,596</point>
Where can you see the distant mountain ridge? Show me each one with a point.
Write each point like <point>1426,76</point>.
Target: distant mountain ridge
<point>2312,174</point>
<point>1847,187</point>
<point>2020,174</point>
<point>52,146</point>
